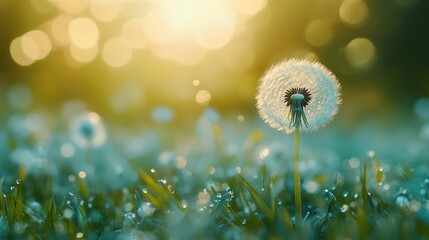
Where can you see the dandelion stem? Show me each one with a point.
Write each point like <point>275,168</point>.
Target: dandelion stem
<point>297,180</point>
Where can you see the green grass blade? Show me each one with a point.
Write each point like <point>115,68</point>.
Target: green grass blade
<point>258,200</point>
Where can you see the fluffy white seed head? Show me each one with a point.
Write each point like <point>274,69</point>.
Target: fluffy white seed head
<point>320,82</point>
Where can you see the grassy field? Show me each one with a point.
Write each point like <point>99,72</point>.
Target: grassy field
<point>220,178</point>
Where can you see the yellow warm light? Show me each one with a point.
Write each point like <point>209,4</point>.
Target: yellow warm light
<point>360,52</point>
<point>249,7</point>
<point>353,12</point>
<point>83,32</point>
<point>17,53</point>
<point>116,53</point>
<point>59,28</point>
<point>70,6</point>
<point>133,34</point>
<point>105,11</point>
<point>318,33</point>
<point>210,23</point>
<point>36,44</point>
<point>203,97</point>
<point>83,55</point>
<point>241,57</point>
<point>30,47</point>
<point>216,25</point>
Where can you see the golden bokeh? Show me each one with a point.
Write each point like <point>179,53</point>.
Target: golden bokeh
<point>116,53</point>
<point>360,52</point>
<point>353,12</point>
<point>83,32</point>
<point>83,55</point>
<point>105,10</point>
<point>318,33</point>
<point>18,54</point>
<point>133,34</point>
<point>203,97</point>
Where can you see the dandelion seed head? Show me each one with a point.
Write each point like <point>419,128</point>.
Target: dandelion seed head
<point>318,85</point>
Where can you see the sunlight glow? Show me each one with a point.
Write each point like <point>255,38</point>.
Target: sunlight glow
<point>116,53</point>
<point>59,29</point>
<point>105,10</point>
<point>133,34</point>
<point>83,55</point>
<point>182,31</point>
<point>203,97</point>
<point>83,32</point>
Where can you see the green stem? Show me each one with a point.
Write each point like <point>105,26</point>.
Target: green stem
<point>297,181</point>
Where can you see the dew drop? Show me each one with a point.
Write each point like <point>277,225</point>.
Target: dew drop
<point>12,188</point>
<point>130,215</point>
<point>144,190</point>
<point>279,202</point>
<point>402,201</point>
<point>356,195</point>
<point>345,194</point>
<point>71,193</point>
<point>68,213</point>
<point>163,181</point>
<point>18,181</point>
<point>344,208</point>
<point>211,204</point>
<point>246,210</point>
<point>152,170</point>
<point>243,221</point>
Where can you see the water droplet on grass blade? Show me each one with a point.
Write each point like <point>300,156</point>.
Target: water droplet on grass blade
<point>402,201</point>
<point>79,235</point>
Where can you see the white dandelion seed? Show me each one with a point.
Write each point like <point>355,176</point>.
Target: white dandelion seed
<point>308,87</point>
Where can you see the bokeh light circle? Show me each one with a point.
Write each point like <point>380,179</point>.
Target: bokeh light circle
<point>83,32</point>
<point>116,53</point>
<point>360,52</point>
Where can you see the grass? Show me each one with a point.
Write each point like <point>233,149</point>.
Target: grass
<point>222,194</point>
<point>240,207</point>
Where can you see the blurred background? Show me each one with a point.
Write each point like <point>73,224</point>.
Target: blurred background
<point>136,60</point>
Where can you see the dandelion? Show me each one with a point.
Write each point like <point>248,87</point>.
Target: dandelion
<point>298,94</point>
<point>298,91</point>
<point>87,130</point>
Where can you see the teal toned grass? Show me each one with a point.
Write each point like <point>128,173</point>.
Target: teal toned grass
<point>241,206</point>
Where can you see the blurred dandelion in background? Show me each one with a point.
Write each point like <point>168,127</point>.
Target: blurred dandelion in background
<point>87,130</point>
